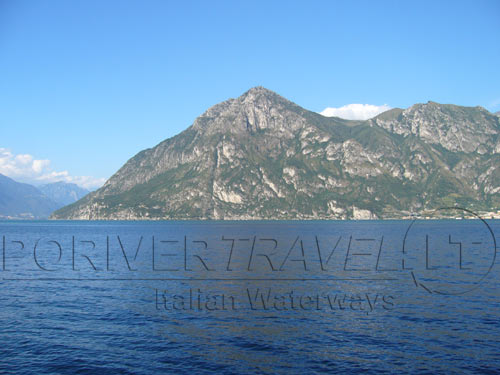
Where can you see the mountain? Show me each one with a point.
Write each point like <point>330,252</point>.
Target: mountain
<point>23,201</point>
<point>497,113</point>
<point>63,193</point>
<point>261,156</point>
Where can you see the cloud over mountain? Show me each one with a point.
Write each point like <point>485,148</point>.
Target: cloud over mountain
<point>355,111</point>
<point>25,168</point>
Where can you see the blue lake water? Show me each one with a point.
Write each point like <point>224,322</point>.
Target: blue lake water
<point>250,297</point>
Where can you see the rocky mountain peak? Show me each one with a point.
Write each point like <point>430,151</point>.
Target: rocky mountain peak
<point>260,94</point>
<point>256,109</point>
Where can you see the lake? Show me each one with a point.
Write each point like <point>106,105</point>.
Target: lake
<point>250,297</point>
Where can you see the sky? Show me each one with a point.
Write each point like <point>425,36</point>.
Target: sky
<point>85,85</point>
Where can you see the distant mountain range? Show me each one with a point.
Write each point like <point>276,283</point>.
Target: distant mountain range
<point>24,201</point>
<point>261,156</point>
<point>63,193</point>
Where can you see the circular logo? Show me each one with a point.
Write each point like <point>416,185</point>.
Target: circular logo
<point>449,257</point>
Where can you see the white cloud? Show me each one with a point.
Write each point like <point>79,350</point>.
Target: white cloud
<point>355,111</point>
<point>25,168</point>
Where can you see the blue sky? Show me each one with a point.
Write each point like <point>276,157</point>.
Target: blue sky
<point>85,85</point>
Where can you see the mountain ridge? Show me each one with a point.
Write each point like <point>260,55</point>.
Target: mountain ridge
<point>261,156</point>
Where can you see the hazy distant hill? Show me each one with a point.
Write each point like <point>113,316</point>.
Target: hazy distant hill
<point>63,192</point>
<point>262,156</point>
<point>19,200</point>
<point>24,201</point>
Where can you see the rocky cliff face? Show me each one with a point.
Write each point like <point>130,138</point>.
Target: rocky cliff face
<point>458,129</point>
<point>262,157</point>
